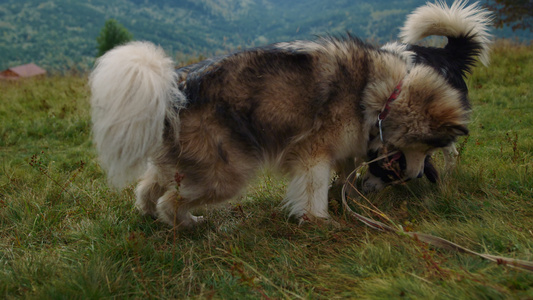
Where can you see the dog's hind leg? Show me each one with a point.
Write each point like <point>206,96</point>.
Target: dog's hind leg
<point>173,209</point>
<point>221,181</point>
<point>307,193</point>
<point>154,183</point>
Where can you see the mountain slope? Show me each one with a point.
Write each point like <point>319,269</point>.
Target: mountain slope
<point>60,34</point>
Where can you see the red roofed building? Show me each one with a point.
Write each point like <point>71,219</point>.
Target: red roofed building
<point>24,71</point>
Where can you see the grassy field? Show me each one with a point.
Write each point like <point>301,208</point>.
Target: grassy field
<point>65,234</point>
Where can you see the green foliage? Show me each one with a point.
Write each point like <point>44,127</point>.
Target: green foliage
<point>515,13</point>
<point>65,234</point>
<point>112,34</point>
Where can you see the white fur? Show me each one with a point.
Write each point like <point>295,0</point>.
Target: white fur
<point>132,86</point>
<point>455,21</point>
<point>307,192</point>
<point>400,50</point>
<point>299,46</point>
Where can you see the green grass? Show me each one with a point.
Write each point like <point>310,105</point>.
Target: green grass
<point>65,234</point>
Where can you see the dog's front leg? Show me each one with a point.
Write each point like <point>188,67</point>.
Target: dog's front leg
<point>450,157</point>
<point>307,194</point>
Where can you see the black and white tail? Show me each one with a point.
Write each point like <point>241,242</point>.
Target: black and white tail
<point>132,88</point>
<point>465,26</point>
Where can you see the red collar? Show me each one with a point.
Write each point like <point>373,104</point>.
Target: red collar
<point>385,112</point>
<point>393,96</point>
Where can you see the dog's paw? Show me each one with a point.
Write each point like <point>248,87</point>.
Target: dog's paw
<point>146,209</point>
<point>198,219</point>
<point>308,219</point>
<point>372,185</point>
<point>188,221</point>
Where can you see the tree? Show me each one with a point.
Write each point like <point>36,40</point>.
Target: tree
<point>515,13</point>
<point>111,35</point>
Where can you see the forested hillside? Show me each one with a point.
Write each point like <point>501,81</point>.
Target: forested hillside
<point>61,34</point>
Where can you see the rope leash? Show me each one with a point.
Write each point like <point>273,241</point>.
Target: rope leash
<point>423,237</point>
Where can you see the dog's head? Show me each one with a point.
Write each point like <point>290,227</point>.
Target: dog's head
<point>433,108</point>
<point>427,115</point>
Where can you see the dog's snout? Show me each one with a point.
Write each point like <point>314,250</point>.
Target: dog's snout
<point>414,163</point>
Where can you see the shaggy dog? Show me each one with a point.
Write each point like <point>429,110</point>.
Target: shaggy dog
<point>197,135</point>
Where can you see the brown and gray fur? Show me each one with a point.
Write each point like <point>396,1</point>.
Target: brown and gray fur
<point>303,108</point>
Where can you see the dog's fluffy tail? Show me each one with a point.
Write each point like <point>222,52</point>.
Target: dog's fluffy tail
<point>467,28</point>
<point>132,87</point>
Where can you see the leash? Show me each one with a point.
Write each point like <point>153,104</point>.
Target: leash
<point>423,237</point>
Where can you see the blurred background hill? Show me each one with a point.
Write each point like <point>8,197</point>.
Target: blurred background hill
<point>61,34</point>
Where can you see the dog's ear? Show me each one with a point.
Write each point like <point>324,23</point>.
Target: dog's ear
<point>445,135</point>
<point>456,129</point>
